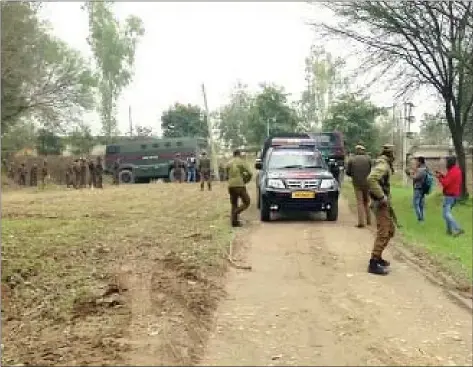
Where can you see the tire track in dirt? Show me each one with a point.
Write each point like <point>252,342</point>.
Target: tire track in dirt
<point>310,301</point>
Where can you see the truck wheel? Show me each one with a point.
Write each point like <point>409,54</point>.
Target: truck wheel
<point>265,212</point>
<point>126,177</point>
<point>332,213</point>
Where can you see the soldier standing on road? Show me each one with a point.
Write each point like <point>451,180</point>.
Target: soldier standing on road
<point>34,175</point>
<point>239,174</point>
<point>116,171</point>
<point>22,175</point>
<point>99,173</point>
<point>380,189</point>
<point>205,171</point>
<point>44,173</point>
<point>92,174</point>
<point>358,168</point>
<point>83,173</point>
<point>177,165</point>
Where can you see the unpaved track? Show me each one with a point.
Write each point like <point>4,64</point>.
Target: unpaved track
<point>310,301</point>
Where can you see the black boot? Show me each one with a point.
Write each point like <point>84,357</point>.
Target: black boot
<point>384,263</point>
<point>375,267</point>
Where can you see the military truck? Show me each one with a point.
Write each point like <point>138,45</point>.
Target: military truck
<point>148,158</point>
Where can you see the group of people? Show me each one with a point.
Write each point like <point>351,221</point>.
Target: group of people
<point>78,171</point>
<point>186,170</point>
<point>19,174</point>
<point>372,183</point>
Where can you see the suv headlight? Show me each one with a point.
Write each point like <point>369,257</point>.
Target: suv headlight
<point>276,183</point>
<point>328,184</point>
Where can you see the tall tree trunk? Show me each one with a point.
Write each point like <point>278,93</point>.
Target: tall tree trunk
<point>454,122</point>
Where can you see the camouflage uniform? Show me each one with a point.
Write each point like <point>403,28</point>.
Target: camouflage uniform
<point>99,173</point>
<point>83,173</point>
<point>177,166</point>
<point>11,171</point>
<point>76,169</point>
<point>34,175</point>
<point>205,171</point>
<point>239,174</point>
<point>22,175</point>
<point>380,187</point>
<point>116,172</point>
<point>92,174</point>
<point>44,173</point>
<point>70,175</point>
<point>358,168</point>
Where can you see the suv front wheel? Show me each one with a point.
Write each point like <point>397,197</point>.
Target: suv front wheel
<point>332,213</point>
<point>265,212</point>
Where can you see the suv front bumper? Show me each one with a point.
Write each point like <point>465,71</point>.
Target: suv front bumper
<point>283,201</point>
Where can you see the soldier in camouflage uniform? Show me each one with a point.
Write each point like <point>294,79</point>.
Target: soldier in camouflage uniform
<point>83,173</point>
<point>34,175</point>
<point>239,174</point>
<point>70,175</point>
<point>116,171</point>
<point>76,168</point>
<point>380,190</point>
<point>92,174</point>
<point>177,166</point>
<point>205,171</point>
<point>22,175</point>
<point>44,172</point>
<point>358,168</point>
<point>11,171</point>
<point>99,173</point>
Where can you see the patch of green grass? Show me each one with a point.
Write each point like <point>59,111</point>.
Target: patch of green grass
<point>455,254</point>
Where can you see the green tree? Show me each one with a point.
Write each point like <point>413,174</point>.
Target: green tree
<point>418,43</point>
<point>270,113</point>
<point>324,82</point>
<point>355,117</point>
<point>42,77</point>
<point>114,45</point>
<point>48,143</point>
<point>234,117</point>
<point>81,139</point>
<point>184,120</point>
<point>19,136</point>
<point>143,130</point>
<point>434,130</point>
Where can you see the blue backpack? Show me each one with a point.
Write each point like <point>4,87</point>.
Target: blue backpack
<point>428,182</point>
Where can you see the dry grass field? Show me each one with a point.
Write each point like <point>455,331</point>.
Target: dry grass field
<point>88,274</point>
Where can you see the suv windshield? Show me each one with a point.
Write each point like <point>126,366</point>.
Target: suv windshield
<point>285,158</point>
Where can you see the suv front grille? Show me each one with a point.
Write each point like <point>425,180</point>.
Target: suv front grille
<point>302,184</point>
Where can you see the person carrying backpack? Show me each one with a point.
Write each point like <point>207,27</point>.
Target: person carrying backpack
<point>422,185</point>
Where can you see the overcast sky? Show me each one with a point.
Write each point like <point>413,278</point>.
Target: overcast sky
<point>217,43</point>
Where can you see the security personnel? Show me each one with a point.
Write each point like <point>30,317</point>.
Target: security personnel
<point>379,184</point>
<point>239,174</point>
<point>205,171</point>
<point>358,168</point>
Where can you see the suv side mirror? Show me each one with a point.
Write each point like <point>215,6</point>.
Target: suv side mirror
<point>258,164</point>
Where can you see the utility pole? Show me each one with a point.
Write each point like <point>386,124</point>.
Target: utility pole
<point>406,135</point>
<point>130,121</point>
<point>210,132</point>
<point>393,125</point>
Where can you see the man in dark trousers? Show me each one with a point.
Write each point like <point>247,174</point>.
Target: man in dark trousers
<point>379,184</point>
<point>239,174</point>
<point>191,168</point>
<point>34,175</point>
<point>358,168</point>
<point>205,171</point>
<point>92,174</point>
<point>178,168</point>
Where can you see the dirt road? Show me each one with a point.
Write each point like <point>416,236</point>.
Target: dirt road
<point>310,301</point>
